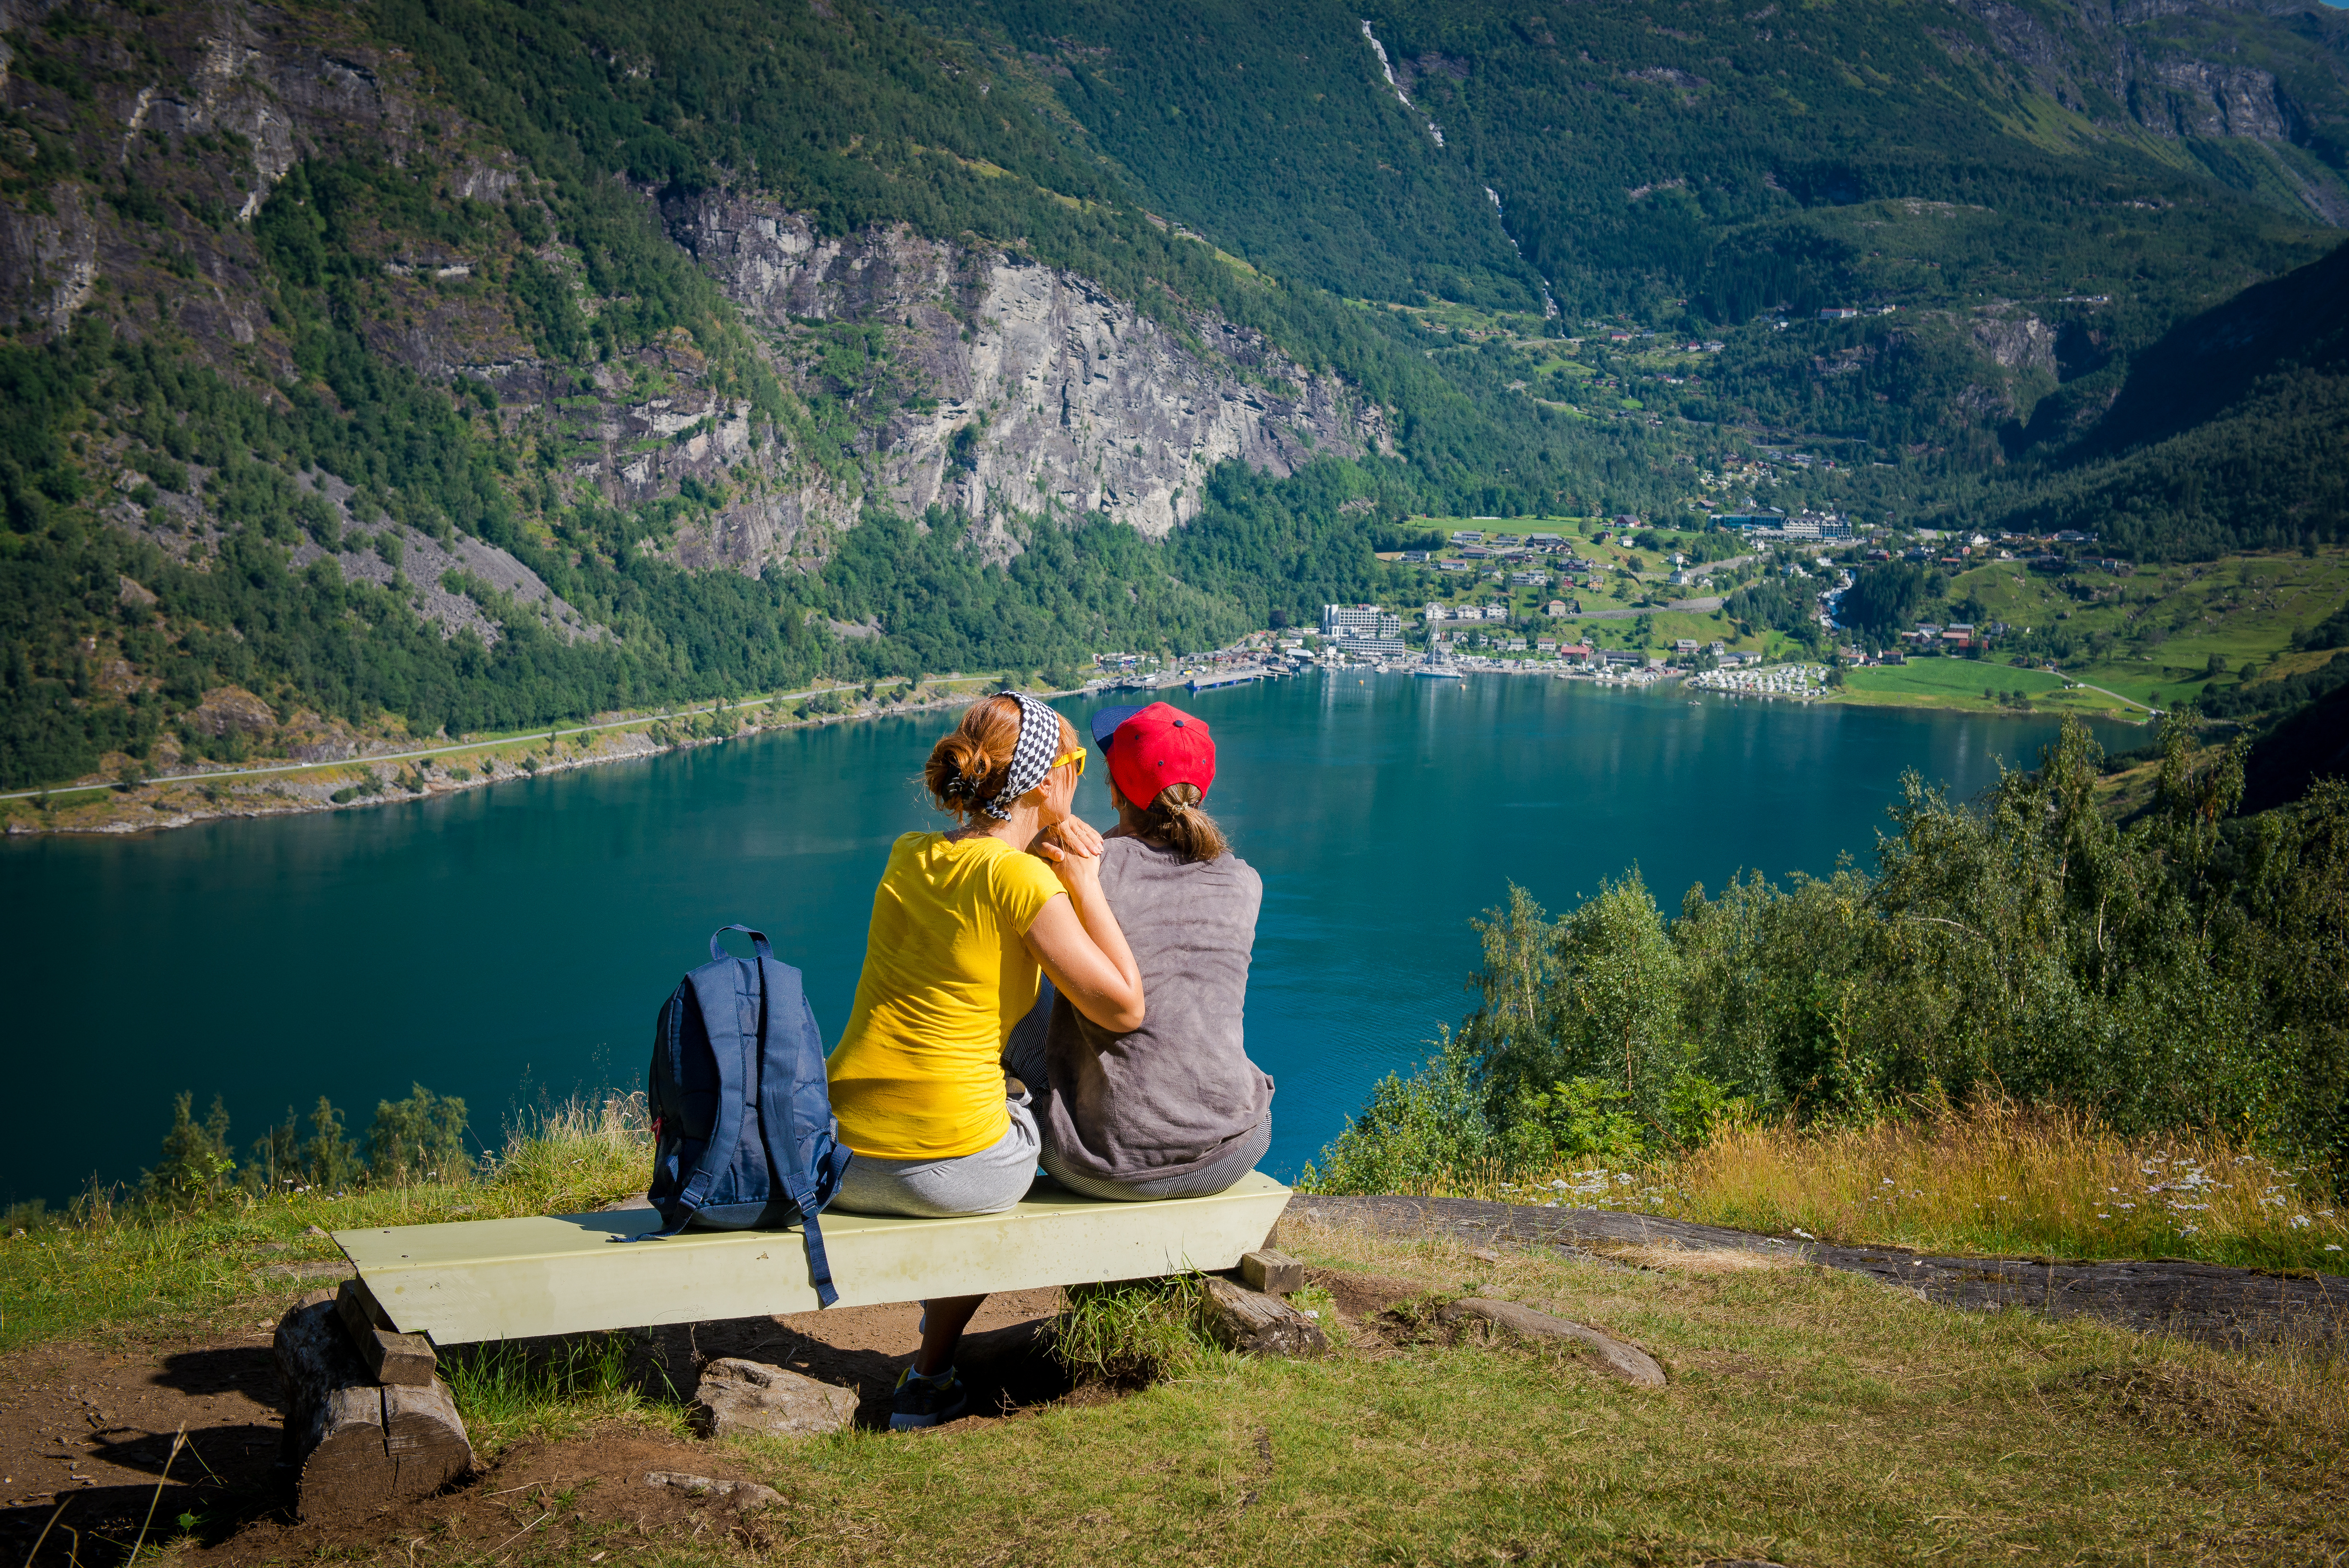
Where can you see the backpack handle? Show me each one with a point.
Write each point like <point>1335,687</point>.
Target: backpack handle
<point>757,940</point>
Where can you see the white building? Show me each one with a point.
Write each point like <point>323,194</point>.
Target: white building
<point>1343,621</point>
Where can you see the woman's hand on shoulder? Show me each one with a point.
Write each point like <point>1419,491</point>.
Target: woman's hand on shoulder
<point>1073,849</point>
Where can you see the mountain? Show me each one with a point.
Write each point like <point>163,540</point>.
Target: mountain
<point>459,365</point>
<point>2015,197</point>
<point>2228,431</point>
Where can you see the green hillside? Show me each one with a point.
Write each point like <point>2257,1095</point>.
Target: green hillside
<point>2228,431</point>
<point>369,377</point>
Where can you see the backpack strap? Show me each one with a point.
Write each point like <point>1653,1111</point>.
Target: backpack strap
<point>718,953</point>
<point>782,1006</point>
<point>722,1020</point>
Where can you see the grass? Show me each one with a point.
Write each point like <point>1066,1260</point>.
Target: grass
<point>119,1269</point>
<point>1131,1331</point>
<point>510,1394</point>
<point>1959,684</point>
<point>2002,1181</point>
<point>1811,1418</point>
<point>2166,621</point>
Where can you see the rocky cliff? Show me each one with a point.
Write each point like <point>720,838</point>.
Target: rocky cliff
<point>1012,386</point>
<point>913,372</point>
<point>2176,69</point>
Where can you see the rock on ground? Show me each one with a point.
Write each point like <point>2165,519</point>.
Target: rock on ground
<point>1617,1359</point>
<point>746,1495</point>
<point>738,1395</point>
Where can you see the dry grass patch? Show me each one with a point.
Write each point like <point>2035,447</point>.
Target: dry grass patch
<point>1998,1179</point>
<point>2006,1180</point>
<point>1703,1260</point>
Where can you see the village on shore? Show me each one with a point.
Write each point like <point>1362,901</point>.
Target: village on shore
<point>1609,601</point>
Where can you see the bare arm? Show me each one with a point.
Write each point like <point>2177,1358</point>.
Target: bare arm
<point>1077,941</point>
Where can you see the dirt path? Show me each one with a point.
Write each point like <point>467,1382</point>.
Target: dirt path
<point>2226,1307</point>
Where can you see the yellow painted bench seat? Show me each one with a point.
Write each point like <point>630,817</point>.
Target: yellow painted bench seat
<point>474,1280</point>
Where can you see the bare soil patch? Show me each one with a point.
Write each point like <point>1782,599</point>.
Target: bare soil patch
<point>92,1431</point>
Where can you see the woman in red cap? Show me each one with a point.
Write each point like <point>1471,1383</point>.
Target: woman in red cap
<point>1168,1106</point>
<point>962,922</point>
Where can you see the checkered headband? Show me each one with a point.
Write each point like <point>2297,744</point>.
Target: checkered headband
<point>1039,742</point>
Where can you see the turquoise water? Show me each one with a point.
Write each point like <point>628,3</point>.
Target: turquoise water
<point>513,943</point>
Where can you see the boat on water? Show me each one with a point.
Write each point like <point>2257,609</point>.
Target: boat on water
<point>1438,673</point>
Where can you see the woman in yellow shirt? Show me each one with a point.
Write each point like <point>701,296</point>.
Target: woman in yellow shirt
<point>963,922</point>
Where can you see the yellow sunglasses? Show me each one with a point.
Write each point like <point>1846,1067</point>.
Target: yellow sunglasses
<point>1077,757</point>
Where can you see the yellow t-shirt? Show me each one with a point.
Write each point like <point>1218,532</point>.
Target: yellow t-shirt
<point>918,1074</point>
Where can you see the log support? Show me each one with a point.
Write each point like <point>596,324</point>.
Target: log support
<point>356,1441</point>
<point>1254,1323</point>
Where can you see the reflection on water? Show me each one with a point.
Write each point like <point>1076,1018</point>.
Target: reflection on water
<point>516,941</point>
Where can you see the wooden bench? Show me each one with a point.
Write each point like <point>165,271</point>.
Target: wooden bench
<point>368,1423</point>
<point>568,1274</point>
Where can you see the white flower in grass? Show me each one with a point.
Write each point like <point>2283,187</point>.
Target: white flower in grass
<point>2301,1222</point>
<point>2333,1246</point>
<point>2190,1230</point>
<point>1804,1235</point>
<point>2125,1205</point>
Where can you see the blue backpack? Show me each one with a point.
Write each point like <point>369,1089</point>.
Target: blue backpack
<point>743,1133</point>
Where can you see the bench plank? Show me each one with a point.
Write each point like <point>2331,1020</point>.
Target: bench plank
<point>475,1280</point>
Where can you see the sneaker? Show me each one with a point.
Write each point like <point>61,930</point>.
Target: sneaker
<point>926,1401</point>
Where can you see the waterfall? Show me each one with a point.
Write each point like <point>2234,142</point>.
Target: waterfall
<point>1549,305</point>
<point>1387,71</point>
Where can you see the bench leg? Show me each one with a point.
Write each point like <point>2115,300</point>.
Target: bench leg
<point>355,1443</point>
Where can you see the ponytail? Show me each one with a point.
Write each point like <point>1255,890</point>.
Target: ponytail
<point>1176,821</point>
<point>971,761</point>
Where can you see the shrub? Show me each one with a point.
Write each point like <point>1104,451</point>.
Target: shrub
<point>419,1138</point>
<point>194,1165</point>
<point>2183,972</point>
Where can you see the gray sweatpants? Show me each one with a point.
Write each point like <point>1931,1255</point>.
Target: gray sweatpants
<point>986,1182</point>
<point>997,1177</point>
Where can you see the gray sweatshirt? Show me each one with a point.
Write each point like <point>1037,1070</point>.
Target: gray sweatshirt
<point>1169,1097</point>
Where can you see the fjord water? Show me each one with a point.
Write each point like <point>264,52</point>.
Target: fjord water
<point>511,944</point>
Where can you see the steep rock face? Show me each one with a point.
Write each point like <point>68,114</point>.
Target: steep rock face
<point>2015,342</point>
<point>1022,384</point>
<point>262,89</point>
<point>2196,97</point>
<point>2178,69</point>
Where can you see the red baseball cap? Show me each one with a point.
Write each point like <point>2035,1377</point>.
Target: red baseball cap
<point>1155,746</point>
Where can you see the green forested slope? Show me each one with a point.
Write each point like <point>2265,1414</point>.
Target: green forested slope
<point>2231,431</point>
<point>233,388</point>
